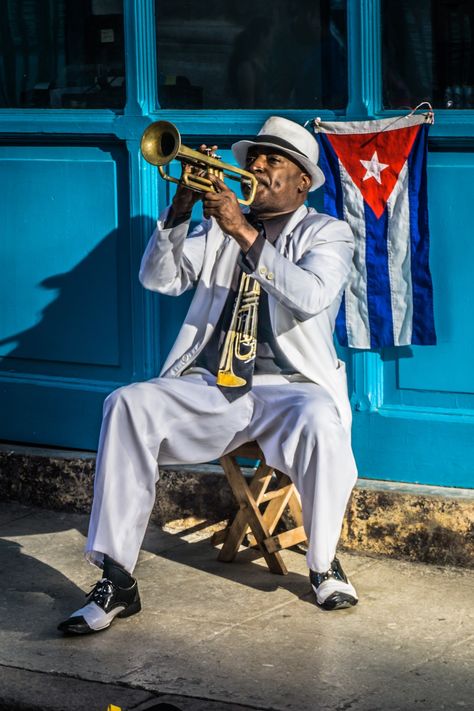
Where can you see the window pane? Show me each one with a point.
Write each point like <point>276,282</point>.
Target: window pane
<point>252,54</point>
<point>62,54</point>
<point>428,53</point>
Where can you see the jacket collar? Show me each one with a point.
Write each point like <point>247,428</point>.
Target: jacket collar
<point>294,220</point>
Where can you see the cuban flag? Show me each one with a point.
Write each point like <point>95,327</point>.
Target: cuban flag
<point>376,181</point>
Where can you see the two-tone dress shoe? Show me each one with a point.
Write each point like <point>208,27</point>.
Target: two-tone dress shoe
<point>106,601</point>
<point>333,590</point>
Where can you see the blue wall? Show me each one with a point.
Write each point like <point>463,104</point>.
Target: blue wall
<point>78,204</point>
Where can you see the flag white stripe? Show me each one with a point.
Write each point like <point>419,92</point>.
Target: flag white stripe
<point>357,310</point>
<point>399,260</point>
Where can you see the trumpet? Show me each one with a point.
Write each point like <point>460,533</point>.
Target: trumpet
<point>161,143</point>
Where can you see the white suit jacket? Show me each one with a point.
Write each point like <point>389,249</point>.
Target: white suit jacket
<point>304,274</point>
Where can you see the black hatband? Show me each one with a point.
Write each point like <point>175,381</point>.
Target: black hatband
<point>277,141</point>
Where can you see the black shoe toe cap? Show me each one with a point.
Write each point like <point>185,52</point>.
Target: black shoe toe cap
<point>339,601</point>
<point>75,625</point>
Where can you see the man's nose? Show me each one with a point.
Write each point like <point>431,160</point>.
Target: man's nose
<point>258,163</point>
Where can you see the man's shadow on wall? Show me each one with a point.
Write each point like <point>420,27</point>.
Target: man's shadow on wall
<point>88,331</point>
<point>88,320</point>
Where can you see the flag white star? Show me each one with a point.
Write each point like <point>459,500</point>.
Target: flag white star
<point>374,167</point>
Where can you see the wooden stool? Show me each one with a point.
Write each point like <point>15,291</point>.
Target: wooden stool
<point>262,524</point>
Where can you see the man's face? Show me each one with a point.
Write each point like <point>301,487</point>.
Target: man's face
<point>282,183</point>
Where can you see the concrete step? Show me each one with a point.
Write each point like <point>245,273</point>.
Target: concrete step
<point>422,523</point>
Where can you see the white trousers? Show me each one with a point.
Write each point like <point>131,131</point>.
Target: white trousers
<point>187,420</point>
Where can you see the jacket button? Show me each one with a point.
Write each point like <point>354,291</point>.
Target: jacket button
<point>270,275</point>
<point>262,271</point>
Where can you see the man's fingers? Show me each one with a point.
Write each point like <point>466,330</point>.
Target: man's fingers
<point>210,150</point>
<point>216,200</point>
<point>212,202</point>
<point>220,191</point>
<point>219,185</point>
<point>212,197</point>
<point>210,210</point>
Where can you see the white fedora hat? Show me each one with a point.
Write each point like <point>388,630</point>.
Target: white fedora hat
<point>292,139</point>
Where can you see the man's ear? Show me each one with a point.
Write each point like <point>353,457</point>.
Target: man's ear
<point>305,183</point>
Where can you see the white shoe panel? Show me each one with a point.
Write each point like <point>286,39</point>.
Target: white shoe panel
<point>332,585</point>
<point>96,617</point>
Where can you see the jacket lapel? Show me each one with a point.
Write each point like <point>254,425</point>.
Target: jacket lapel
<point>224,266</point>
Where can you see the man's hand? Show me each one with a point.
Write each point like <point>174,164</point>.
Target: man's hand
<point>224,207</point>
<point>184,199</point>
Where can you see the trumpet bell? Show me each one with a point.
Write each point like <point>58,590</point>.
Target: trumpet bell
<point>160,143</point>
<point>230,380</point>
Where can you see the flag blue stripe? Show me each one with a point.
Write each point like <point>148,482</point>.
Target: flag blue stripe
<point>333,205</point>
<point>341,328</point>
<point>329,163</point>
<point>378,280</point>
<point>423,318</point>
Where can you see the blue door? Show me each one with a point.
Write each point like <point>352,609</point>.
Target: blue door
<point>78,202</point>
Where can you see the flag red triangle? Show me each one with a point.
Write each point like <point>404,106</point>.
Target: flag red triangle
<point>373,157</point>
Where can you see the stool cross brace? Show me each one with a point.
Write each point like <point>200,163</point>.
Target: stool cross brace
<point>251,498</point>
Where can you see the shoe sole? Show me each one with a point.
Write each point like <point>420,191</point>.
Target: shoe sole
<point>131,609</point>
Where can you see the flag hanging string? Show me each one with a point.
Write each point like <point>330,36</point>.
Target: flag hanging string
<point>429,116</point>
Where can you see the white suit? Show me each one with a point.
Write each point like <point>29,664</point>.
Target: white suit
<point>302,424</point>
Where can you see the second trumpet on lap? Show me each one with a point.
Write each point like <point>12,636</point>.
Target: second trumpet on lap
<point>161,143</point>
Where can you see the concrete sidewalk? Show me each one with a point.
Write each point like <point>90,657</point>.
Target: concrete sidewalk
<point>215,636</point>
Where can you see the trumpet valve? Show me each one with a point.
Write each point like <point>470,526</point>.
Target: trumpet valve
<point>211,153</point>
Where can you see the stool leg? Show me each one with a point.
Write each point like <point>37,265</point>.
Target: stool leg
<point>294,503</point>
<point>235,533</point>
<point>249,515</point>
<point>239,526</point>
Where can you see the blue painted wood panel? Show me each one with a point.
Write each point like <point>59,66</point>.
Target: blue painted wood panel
<point>447,367</point>
<point>419,425</point>
<point>442,375</point>
<point>52,240</point>
<point>426,448</point>
<point>65,292</point>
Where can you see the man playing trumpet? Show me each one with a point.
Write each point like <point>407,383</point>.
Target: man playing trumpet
<point>254,360</point>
